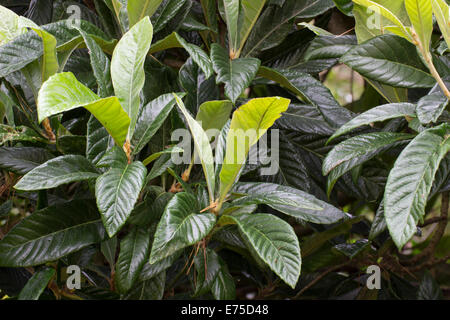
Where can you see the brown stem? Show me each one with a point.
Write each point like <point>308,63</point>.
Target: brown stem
<point>48,129</point>
<point>127,149</point>
<point>429,60</point>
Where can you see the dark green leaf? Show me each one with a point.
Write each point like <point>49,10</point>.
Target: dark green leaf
<point>134,251</point>
<point>36,285</point>
<point>236,74</point>
<point>117,191</point>
<point>21,160</point>
<point>410,181</point>
<point>274,241</point>
<point>58,171</point>
<point>151,119</point>
<point>390,60</point>
<point>52,233</point>
<point>180,226</point>
<point>308,207</point>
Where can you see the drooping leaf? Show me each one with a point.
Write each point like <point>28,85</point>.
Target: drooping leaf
<point>63,92</point>
<point>117,191</point>
<point>325,47</point>
<point>202,146</point>
<point>52,233</point>
<point>58,171</point>
<point>391,60</point>
<point>380,113</point>
<point>36,285</point>
<point>306,207</point>
<point>108,249</point>
<point>134,251</point>
<point>250,121</point>
<point>236,74</point>
<point>180,226</point>
<point>357,150</point>
<point>5,208</point>
<point>21,160</point>
<point>127,68</point>
<point>351,250</point>
<point>160,166</point>
<point>274,241</point>
<point>223,287</point>
<point>410,182</point>
<point>304,118</point>
<point>167,12</point>
<point>431,106</point>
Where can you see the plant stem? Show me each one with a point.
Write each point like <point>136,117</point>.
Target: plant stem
<point>436,75</point>
<point>429,60</point>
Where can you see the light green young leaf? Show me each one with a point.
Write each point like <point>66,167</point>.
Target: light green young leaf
<point>49,63</point>
<point>127,68</point>
<point>250,121</point>
<point>138,9</point>
<point>63,92</point>
<point>250,11</point>
<point>13,25</point>
<point>441,11</point>
<point>379,9</point>
<point>214,114</point>
<point>421,16</point>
